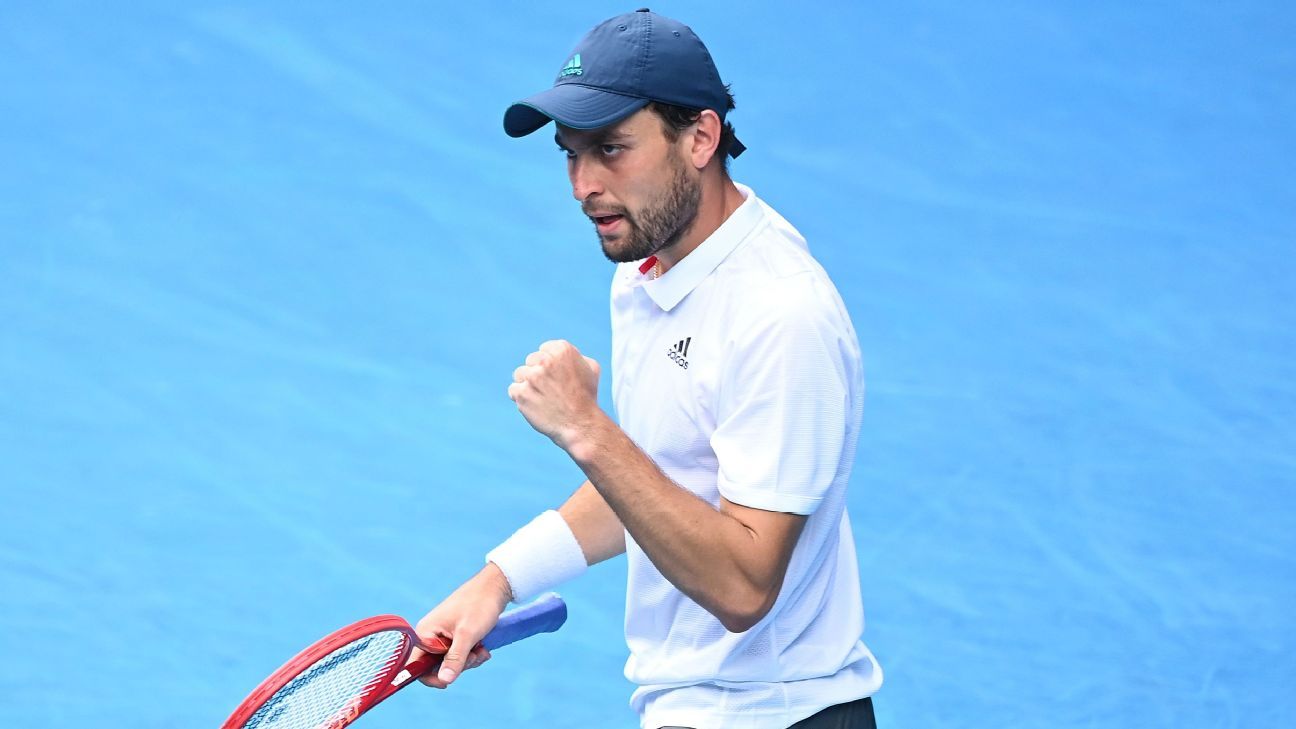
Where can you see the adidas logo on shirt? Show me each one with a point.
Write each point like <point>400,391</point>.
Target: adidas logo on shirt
<point>679,352</point>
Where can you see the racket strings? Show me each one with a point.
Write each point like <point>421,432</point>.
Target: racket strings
<point>331,691</point>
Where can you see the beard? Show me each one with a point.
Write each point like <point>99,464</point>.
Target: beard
<point>659,224</point>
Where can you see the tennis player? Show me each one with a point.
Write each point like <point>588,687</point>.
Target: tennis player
<point>736,375</point>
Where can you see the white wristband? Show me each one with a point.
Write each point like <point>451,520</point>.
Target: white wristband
<point>539,556</point>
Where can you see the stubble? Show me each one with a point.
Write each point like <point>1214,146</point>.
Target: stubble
<point>660,224</point>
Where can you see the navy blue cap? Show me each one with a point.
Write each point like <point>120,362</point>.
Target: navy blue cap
<point>618,68</point>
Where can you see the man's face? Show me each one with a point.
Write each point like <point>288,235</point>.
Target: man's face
<point>634,184</point>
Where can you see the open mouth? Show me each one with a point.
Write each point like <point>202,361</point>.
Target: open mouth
<point>606,223</point>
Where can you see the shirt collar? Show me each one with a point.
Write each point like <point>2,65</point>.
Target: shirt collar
<point>671,288</point>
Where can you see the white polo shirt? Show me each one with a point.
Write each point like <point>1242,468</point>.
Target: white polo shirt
<point>738,372</point>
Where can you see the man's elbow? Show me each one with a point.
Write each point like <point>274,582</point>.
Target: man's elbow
<point>742,614</point>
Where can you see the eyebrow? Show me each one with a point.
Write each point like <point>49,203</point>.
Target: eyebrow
<point>597,138</point>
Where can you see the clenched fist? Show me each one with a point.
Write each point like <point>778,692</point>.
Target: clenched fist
<point>557,391</point>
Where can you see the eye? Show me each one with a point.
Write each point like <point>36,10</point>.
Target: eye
<point>567,152</point>
<point>610,150</point>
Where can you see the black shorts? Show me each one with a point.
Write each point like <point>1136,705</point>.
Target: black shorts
<point>854,715</point>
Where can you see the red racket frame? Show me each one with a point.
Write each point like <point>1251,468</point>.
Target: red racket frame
<point>329,643</point>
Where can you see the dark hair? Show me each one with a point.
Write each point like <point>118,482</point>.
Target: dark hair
<point>675,119</point>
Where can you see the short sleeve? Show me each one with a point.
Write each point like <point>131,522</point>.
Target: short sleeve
<point>784,405</point>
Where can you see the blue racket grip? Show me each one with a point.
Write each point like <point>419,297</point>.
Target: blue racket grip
<point>545,615</point>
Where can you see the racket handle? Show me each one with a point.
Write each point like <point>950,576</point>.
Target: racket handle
<point>545,615</point>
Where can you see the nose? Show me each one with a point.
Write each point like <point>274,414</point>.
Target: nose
<point>584,178</point>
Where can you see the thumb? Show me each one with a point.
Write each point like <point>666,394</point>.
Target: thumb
<point>452,664</point>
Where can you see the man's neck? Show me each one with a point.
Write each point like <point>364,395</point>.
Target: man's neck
<point>720,198</point>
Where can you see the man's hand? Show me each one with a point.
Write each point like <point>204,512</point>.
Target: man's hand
<point>462,620</point>
<point>557,391</point>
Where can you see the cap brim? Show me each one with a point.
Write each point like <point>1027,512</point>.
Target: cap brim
<point>572,105</point>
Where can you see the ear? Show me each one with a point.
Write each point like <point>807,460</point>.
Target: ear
<point>706,138</point>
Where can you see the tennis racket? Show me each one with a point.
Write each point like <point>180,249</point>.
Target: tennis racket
<point>343,675</point>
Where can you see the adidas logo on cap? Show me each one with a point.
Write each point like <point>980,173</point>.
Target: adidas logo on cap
<point>573,67</point>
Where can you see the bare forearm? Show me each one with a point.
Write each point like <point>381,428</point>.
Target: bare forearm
<point>720,562</point>
<point>596,526</point>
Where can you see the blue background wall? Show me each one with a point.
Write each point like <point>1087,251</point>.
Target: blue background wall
<point>265,271</point>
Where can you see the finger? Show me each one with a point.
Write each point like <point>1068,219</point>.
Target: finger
<point>478,656</point>
<point>537,358</point>
<point>593,365</point>
<point>556,347</point>
<point>515,390</point>
<point>428,676</point>
<point>454,661</point>
<point>526,372</point>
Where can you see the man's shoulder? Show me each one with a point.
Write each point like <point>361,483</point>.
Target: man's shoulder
<point>774,249</point>
<point>774,280</point>
<point>774,263</point>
